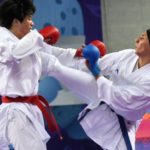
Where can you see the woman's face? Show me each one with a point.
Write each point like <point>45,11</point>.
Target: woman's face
<point>142,45</point>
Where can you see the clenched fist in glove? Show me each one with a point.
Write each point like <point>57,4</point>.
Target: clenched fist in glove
<point>51,34</point>
<point>99,44</point>
<point>91,53</point>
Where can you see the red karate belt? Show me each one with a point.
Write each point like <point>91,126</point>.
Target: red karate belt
<point>42,104</point>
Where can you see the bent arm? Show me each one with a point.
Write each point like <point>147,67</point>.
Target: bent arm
<point>130,100</point>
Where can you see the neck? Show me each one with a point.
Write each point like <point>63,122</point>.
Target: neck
<point>143,61</point>
<point>15,32</point>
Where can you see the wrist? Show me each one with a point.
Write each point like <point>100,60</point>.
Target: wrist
<point>97,77</point>
<point>95,70</point>
<point>78,53</point>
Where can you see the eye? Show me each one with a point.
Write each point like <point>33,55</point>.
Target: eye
<point>29,17</point>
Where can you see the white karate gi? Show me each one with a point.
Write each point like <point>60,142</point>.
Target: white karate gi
<point>126,92</point>
<point>22,63</point>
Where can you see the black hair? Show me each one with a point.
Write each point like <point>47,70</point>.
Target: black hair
<point>148,34</point>
<point>15,9</point>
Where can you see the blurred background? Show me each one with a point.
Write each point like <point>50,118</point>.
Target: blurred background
<point>115,22</point>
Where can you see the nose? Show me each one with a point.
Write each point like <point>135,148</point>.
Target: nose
<point>32,23</point>
<point>137,40</point>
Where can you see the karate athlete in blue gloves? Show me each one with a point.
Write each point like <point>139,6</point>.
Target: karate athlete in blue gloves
<point>117,98</point>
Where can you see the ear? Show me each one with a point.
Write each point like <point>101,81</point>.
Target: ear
<point>15,22</point>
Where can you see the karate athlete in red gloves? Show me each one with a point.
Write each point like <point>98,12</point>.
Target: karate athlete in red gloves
<point>24,58</point>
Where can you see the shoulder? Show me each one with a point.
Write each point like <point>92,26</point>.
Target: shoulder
<point>6,35</point>
<point>4,32</point>
<point>125,54</point>
<point>120,54</point>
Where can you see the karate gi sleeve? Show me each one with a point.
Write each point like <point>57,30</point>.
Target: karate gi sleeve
<point>64,55</point>
<point>129,100</point>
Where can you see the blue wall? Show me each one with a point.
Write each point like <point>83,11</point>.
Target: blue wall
<point>72,17</point>
<point>64,14</point>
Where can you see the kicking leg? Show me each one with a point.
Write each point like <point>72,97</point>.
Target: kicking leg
<point>79,82</point>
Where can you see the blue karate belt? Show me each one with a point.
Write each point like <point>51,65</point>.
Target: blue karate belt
<point>122,126</point>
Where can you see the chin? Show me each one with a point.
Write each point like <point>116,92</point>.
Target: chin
<point>136,50</point>
<point>137,53</point>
